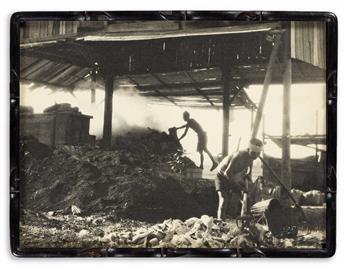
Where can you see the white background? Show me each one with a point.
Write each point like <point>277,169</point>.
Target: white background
<point>9,7</point>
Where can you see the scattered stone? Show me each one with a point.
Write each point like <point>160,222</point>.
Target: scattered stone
<point>75,210</point>
<point>50,213</point>
<point>69,231</point>
<point>83,233</point>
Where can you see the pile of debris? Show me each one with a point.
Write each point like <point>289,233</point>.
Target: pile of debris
<point>30,146</point>
<point>54,229</point>
<point>206,232</point>
<point>126,179</point>
<point>148,148</point>
<point>203,232</point>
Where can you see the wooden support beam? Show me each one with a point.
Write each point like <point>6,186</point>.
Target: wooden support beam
<point>249,104</point>
<point>216,93</point>
<point>316,131</point>
<point>108,110</point>
<point>267,81</point>
<point>93,95</point>
<point>31,65</point>
<point>53,86</point>
<point>66,58</point>
<point>252,118</point>
<point>159,93</point>
<point>160,80</point>
<point>93,88</point>
<point>60,69</point>
<point>62,75</point>
<point>226,110</point>
<point>43,72</point>
<point>197,88</point>
<point>235,95</point>
<point>35,68</point>
<point>184,86</point>
<point>75,76</point>
<point>79,78</point>
<point>246,104</point>
<point>165,85</point>
<point>286,139</point>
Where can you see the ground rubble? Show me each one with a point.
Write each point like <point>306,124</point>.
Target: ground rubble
<point>55,229</point>
<point>82,196</point>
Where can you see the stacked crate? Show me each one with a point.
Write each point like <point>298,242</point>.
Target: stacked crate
<point>57,125</point>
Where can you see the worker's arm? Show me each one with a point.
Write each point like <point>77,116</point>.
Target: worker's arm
<point>238,178</point>
<point>185,132</point>
<point>250,169</point>
<point>229,169</point>
<point>181,127</point>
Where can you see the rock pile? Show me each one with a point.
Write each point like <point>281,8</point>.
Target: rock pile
<point>55,229</point>
<point>126,179</point>
<point>203,232</point>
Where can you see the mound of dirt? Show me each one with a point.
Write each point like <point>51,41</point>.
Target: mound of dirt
<point>126,180</point>
<point>30,145</point>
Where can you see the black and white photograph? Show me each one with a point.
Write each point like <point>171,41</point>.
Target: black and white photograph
<point>172,134</point>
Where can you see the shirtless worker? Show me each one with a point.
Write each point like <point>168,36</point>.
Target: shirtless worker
<point>232,174</point>
<point>202,139</point>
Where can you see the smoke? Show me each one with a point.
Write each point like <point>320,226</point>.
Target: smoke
<point>131,111</point>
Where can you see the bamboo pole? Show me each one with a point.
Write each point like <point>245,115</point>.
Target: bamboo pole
<point>267,81</point>
<point>286,139</point>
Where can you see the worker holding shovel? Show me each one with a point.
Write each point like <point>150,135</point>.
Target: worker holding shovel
<point>233,173</point>
<point>202,139</point>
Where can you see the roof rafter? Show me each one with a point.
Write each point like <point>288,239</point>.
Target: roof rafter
<point>35,68</point>
<point>156,90</point>
<point>197,88</point>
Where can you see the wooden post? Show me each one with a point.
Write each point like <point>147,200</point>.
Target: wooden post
<point>226,110</point>
<point>286,162</point>
<point>252,118</point>
<point>94,73</point>
<point>316,132</point>
<point>108,110</point>
<point>263,132</point>
<point>267,81</point>
<point>93,90</point>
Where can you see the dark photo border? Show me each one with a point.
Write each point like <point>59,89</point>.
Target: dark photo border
<point>260,16</point>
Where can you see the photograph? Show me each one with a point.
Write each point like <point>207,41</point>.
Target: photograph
<point>176,133</point>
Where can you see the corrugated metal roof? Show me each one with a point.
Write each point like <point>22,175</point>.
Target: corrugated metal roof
<point>169,68</point>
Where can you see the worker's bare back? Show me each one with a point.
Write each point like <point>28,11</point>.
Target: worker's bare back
<point>194,125</point>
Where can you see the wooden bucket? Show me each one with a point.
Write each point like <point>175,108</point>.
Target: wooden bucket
<point>272,213</point>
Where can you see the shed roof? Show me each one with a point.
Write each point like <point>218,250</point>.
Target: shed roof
<point>168,64</point>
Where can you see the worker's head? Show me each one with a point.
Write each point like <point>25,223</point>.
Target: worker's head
<point>255,148</point>
<point>186,115</point>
